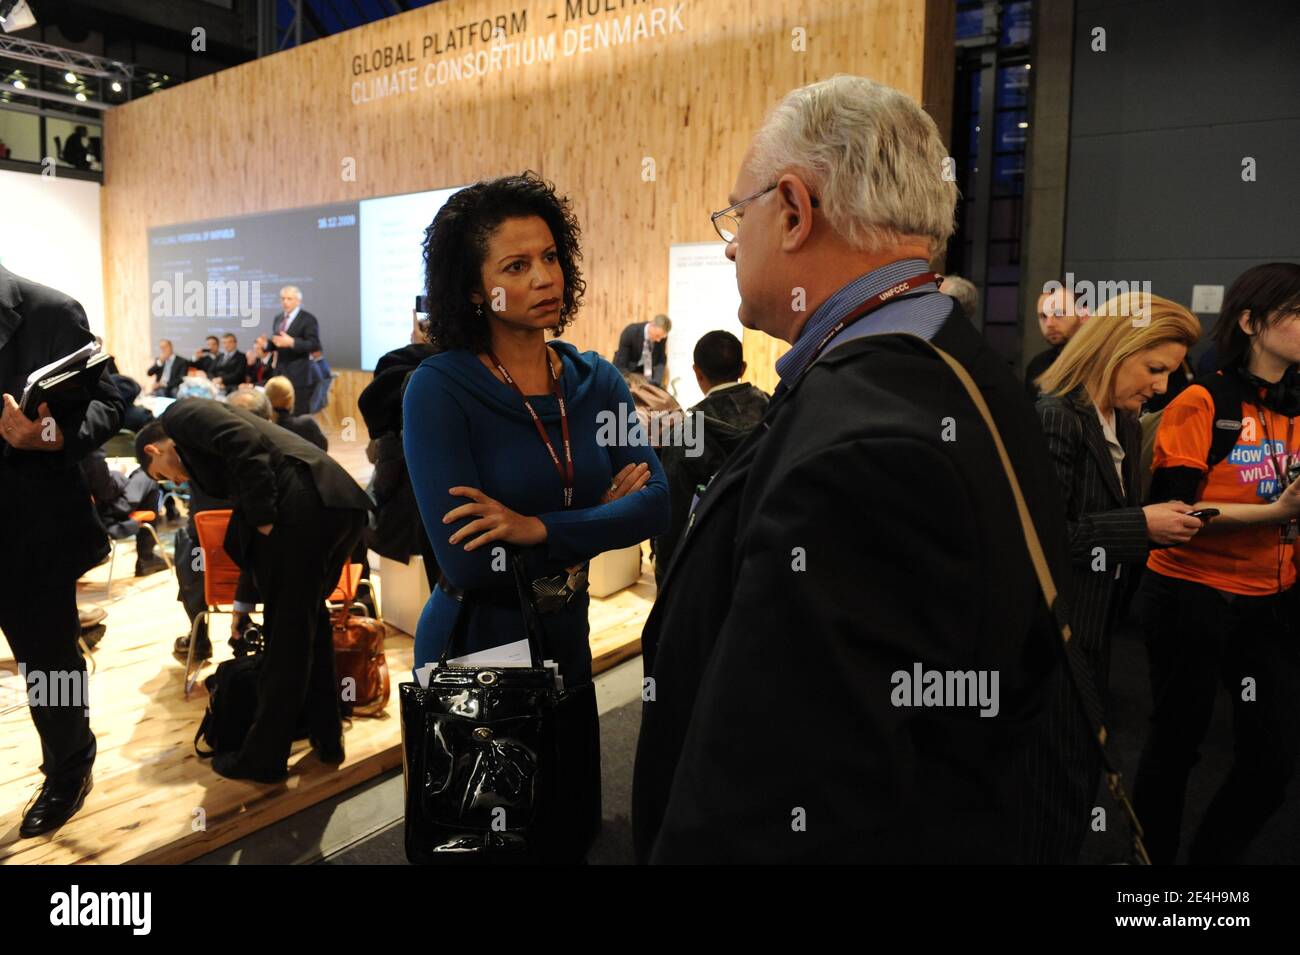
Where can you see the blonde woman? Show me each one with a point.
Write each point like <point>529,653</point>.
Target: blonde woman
<point>1092,394</point>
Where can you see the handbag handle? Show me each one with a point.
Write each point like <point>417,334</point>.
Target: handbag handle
<point>1078,667</point>
<point>534,632</point>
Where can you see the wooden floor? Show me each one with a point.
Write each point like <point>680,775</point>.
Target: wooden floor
<point>154,801</point>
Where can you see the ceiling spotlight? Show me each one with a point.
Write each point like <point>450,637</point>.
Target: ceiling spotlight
<point>70,76</point>
<point>1023,125</point>
<point>117,87</point>
<point>19,85</point>
<point>81,97</point>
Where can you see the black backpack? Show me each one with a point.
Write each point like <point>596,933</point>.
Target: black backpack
<point>1228,392</point>
<point>232,704</point>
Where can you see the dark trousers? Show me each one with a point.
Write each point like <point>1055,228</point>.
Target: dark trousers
<point>295,568</point>
<point>39,619</point>
<point>1198,639</point>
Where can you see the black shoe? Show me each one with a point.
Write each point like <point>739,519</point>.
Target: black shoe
<point>331,754</point>
<point>55,804</point>
<point>202,650</point>
<point>229,766</point>
<point>149,565</point>
<point>92,636</point>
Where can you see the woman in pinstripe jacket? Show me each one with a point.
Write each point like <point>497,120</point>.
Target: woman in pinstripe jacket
<point>1092,395</point>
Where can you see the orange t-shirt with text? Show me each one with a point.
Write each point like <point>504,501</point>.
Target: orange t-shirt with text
<point>1247,560</point>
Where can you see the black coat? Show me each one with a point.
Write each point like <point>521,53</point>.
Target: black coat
<point>1037,365</point>
<point>727,417</point>
<point>772,687</point>
<point>630,343</point>
<point>245,459</point>
<point>49,524</point>
<point>398,531</point>
<point>180,367</point>
<point>1107,532</point>
<point>304,426</point>
<point>1099,514</point>
<point>295,363</point>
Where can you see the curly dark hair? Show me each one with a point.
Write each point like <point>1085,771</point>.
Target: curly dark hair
<point>456,245</point>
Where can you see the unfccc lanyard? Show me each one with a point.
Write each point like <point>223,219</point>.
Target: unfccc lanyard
<point>565,470</point>
<point>873,303</point>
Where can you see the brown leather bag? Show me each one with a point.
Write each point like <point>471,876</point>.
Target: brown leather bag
<point>360,665</point>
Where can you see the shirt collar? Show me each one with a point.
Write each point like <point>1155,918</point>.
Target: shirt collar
<point>840,305</point>
<point>725,384</point>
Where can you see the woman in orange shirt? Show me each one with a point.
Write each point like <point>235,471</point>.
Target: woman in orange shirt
<point>1222,608</point>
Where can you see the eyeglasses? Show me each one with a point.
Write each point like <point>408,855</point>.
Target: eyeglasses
<point>727,224</point>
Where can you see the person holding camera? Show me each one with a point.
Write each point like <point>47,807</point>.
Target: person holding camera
<point>1221,608</point>
<point>1092,394</point>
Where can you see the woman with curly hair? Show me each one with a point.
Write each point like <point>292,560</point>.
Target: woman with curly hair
<point>513,441</point>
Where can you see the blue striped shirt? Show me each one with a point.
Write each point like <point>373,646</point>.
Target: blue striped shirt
<point>921,314</point>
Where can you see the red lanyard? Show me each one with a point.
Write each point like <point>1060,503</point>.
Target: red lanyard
<point>564,470</point>
<point>873,303</point>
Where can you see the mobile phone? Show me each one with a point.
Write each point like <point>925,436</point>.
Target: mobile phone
<point>1204,513</point>
<point>422,305</point>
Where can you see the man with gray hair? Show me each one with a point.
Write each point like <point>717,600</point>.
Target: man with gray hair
<point>295,338</point>
<point>865,529</point>
<point>965,292</point>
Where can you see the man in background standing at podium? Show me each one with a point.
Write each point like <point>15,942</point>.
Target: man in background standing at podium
<point>52,535</point>
<point>643,349</point>
<point>295,336</point>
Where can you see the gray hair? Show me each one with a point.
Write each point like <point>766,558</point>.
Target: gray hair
<point>251,400</point>
<point>871,154</point>
<point>964,291</point>
<point>663,321</point>
<point>294,289</point>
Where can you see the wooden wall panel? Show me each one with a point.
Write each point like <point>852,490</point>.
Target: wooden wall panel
<point>273,134</point>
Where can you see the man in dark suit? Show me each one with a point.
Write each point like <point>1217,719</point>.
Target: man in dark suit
<point>297,516</point>
<point>168,370</point>
<point>294,339</point>
<point>51,532</point>
<point>230,365</point>
<point>730,409</point>
<point>864,531</point>
<point>643,348</point>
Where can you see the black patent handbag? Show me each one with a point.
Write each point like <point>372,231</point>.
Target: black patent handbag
<point>500,766</point>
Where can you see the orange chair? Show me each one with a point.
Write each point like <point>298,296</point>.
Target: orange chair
<point>220,579</point>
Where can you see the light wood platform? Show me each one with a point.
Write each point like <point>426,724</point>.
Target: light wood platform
<point>154,801</point>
